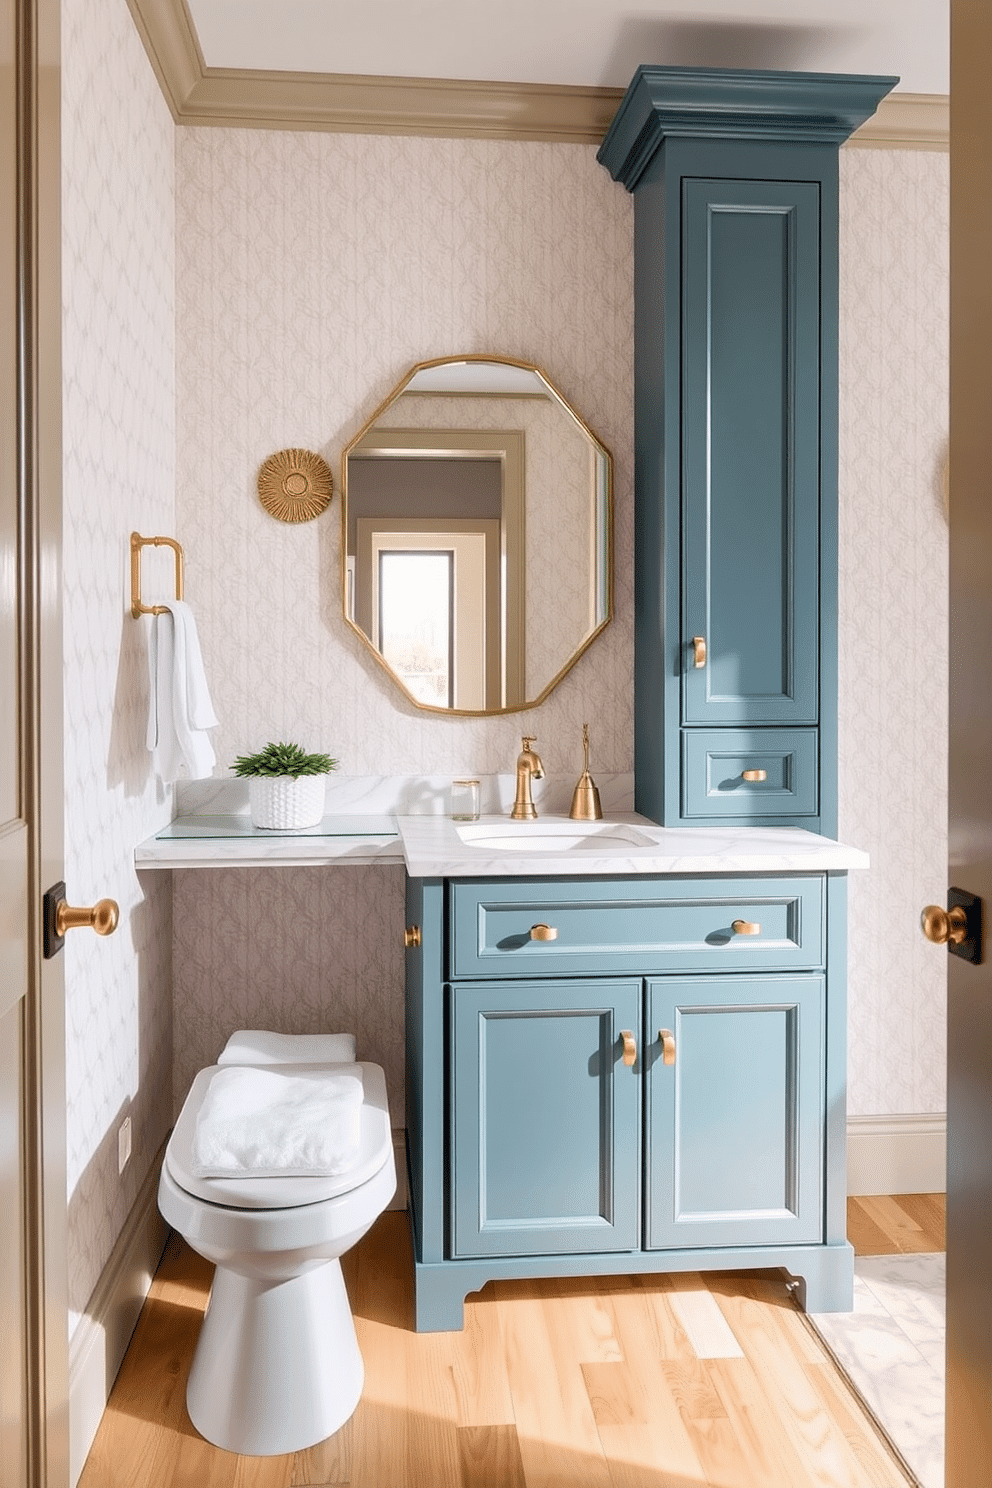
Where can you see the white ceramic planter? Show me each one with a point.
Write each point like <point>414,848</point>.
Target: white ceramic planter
<point>282,804</point>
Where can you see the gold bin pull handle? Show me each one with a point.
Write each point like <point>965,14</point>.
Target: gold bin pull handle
<point>699,651</point>
<point>629,1047</point>
<point>745,927</point>
<point>667,1038</point>
<point>412,937</point>
<point>543,932</point>
<point>754,774</point>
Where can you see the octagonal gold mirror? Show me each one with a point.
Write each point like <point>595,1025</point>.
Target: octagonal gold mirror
<point>476,535</point>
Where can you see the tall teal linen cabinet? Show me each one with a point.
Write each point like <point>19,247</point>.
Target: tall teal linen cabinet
<point>662,1085</point>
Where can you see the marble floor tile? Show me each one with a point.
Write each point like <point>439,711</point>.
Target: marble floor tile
<point>892,1348</point>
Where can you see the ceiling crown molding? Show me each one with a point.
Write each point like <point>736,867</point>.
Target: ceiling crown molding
<point>344,102</point>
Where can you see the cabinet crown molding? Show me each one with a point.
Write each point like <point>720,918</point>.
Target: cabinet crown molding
<point>722,103</point>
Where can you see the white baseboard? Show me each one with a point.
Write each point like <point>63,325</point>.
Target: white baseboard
<point>103,1333</point>
<point>896,1154</point>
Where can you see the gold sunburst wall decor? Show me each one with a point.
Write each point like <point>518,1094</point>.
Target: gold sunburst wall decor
<point>295,485</point>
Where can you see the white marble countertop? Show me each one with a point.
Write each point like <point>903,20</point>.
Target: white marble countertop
<point>433,848</point>
<point>436,846</point>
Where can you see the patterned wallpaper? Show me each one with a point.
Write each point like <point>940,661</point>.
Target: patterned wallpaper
<point>893,616</point>
<point>119,474</point>
<point>312,270</point>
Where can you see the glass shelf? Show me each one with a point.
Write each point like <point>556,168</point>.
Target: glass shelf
<point>201,827</point>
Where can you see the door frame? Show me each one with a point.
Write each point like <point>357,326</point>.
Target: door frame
<point>39,435</point>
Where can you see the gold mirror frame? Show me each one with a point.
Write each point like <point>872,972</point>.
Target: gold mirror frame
<point>607,557</point>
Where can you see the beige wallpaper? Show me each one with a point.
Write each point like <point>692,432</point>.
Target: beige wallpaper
<point>893,616</point>
<point>312,270</point>
<point>119,474</point>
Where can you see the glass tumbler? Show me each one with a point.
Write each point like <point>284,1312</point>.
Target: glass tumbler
<point>465,800</point>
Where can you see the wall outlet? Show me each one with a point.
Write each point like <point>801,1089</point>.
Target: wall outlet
<point>124,1144</point>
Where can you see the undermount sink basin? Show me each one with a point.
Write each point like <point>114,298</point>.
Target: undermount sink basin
<point>554,836</point>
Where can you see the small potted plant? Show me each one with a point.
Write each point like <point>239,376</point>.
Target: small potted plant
<point>285,786</point>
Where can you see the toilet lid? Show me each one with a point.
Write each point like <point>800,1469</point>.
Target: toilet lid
<point>289,1192</point>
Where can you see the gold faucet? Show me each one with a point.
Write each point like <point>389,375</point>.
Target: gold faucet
<point>529,767</point>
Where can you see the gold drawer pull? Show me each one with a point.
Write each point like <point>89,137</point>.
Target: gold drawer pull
<point>629,1047</point>
<point>667,1038</point>
<point>746,927</point>
<point>411,937</point>
<point>754,774</point>
<point>543,932</point>
<point>699,651</point>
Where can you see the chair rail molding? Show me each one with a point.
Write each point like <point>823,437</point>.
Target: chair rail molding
<point>448,107</point>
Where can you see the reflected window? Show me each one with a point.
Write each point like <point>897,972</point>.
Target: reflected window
<point>416,596</point>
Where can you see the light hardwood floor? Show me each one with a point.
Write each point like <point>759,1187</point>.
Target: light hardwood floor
<point>633,1382</point>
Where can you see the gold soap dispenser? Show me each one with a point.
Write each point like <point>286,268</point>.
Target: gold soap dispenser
<point>585,797</point>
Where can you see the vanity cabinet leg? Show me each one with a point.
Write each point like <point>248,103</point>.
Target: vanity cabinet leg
<point>826,1281</point>
<point>439,1299</point>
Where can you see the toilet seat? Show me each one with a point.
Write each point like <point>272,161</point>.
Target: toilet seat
<point>289,1192</point>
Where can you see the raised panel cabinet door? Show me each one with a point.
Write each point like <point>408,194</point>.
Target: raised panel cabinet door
<point>545,1117</point>
<point>734,1125</point>
<point>751,456</point>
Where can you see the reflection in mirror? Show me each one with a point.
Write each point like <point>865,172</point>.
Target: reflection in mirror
<point>476,510</point>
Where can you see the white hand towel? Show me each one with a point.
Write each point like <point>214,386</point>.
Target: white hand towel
<point>261,1123</point>
<point>255,1046</point>
<point>180,710</point>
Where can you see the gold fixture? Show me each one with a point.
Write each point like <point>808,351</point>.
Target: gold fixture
<point>411,937</point>
<point>543,932</point>
<point>529,767</point>
<point>295,485</point>
<point>746,927</point>
<point>585,797</point>
<point>103,917</point>
<point>754,774</point>
<point>699,651</point>
<point>629,1047</point>
<point>137,543</point>
<point>667,1038</point>
<point>943,926</point>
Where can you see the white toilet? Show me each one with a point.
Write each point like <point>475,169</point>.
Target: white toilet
<point>277,1366</point>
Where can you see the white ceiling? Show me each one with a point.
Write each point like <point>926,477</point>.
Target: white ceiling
<point>577,42</point>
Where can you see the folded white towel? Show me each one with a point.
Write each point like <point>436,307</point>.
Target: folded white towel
<point>180,710</point>
<point>255,1046</point>
<point>261,1123</point>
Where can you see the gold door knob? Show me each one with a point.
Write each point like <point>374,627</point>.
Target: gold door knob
<point>411,937</point>
<point>699,651</point>
<point>754,774</point>
<point>543,932</point>
<point>745,927</point>
<point>944,925</point>
<point>103,917</point>
<point>667,1038</point>
<point>629,1047</point>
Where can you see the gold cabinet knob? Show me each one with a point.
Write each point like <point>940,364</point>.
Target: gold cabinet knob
<point>699,651</point>
<point>411,937</point>
<point>944,925</point>
<point>754,774</point>
<point>103,917</point>
<point>667,1038</point>
<point>629,1047</point>
<point>745,927</point>
<point>543,932</point>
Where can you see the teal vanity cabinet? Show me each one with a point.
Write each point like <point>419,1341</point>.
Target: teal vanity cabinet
<point>734,175</point>
<point>656,1087</point>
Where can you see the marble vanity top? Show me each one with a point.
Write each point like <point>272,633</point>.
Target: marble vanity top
<point>435,847</point>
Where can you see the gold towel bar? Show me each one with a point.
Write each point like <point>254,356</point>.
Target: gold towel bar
<point>137,543</point>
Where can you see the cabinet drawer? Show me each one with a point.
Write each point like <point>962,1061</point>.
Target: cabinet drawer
<point>635,924</point>
<point>714,762</point>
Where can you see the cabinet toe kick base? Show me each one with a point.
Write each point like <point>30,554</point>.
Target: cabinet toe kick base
<point>823,1274</point>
